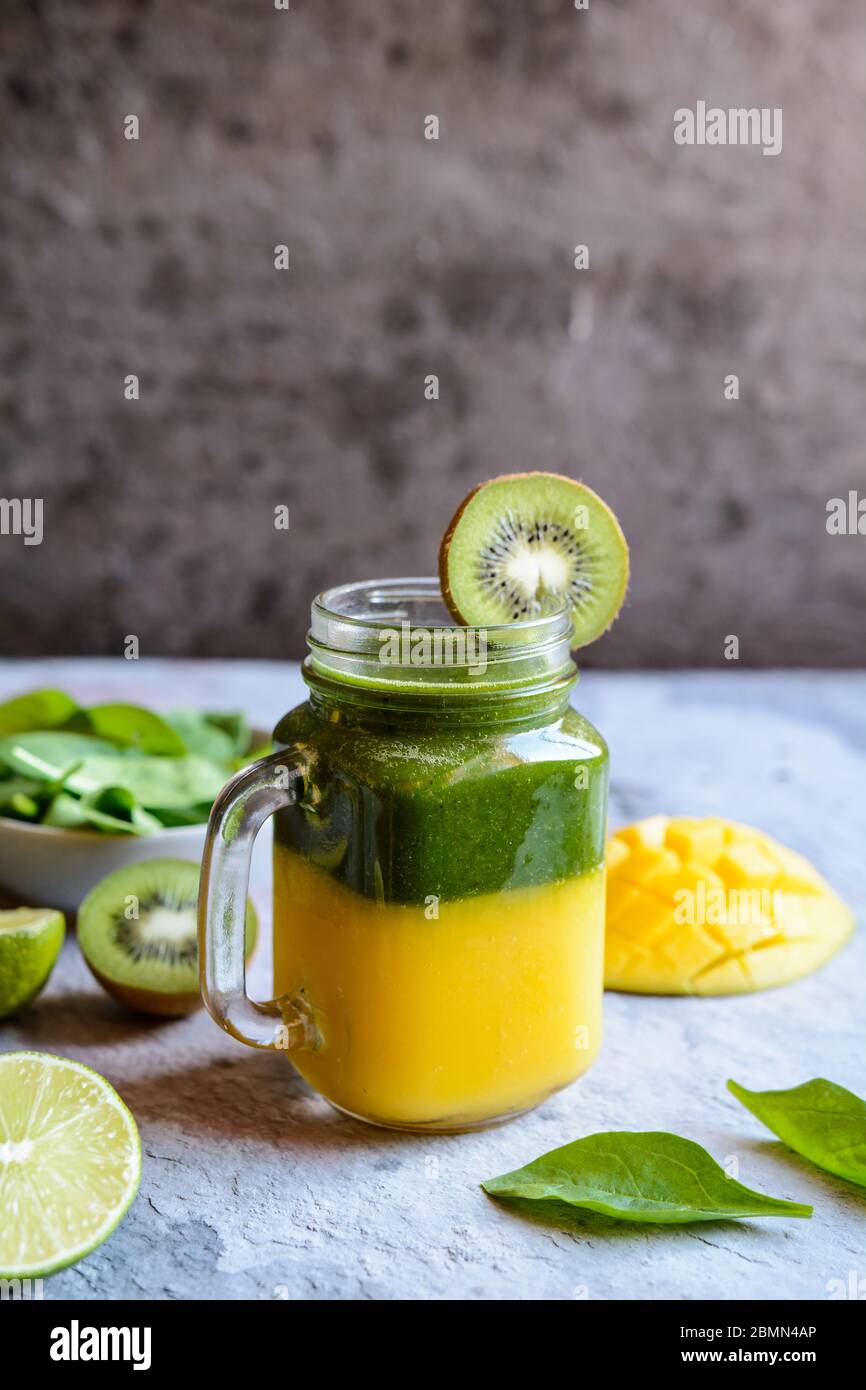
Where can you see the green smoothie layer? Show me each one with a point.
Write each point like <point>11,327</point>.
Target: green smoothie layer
<point>402,814</point>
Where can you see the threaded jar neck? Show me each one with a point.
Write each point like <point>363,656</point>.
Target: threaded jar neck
<point>392,644</point>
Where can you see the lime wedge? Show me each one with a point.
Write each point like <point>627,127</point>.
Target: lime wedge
<point>30,941</point>
<point>70,1162</point>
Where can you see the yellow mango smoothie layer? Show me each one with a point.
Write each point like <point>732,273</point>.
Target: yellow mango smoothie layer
<point>445,1021</point>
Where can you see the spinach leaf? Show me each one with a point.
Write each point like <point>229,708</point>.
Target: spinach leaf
<point>201,736</point>
<point>116,766</point>
<point>65,813</point>
<point>115,809</point>
<point>186,815</point>
<point>133,727</point>
<point>11,788</point>
<point>157,783</point>
<point>235,726</point>
<point>50,755</point>
<point>820,1120</point>
<point>39,709</point>
<point>24,807</point>
<point>639,1177</point>
<point>31,798</point>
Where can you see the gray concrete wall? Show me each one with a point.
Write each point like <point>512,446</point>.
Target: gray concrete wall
<point>409,257</point>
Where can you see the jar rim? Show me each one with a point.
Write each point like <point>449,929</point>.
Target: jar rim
<point>387,633</point>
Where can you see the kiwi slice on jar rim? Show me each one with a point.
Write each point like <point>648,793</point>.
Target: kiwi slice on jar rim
<point>137,930</point>
<point>521,545</point>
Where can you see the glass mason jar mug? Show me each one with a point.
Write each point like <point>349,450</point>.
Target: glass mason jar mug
<point>439,840</point>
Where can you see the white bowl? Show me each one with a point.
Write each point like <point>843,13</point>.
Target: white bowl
<point>46,865</point>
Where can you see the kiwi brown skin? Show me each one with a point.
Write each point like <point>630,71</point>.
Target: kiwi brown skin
<point>445,545</point>
<point>148,1001</point>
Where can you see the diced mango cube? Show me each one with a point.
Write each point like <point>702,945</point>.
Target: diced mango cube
<point>698,880</point>
<point>696,839</point>
<point>643,918</point>
<point>746,935</point>
<point>747,866</point>
<point>688,949</point>
<point>644,865</point>
<point>650,832</point>
<point>728,976</point>
<point>621,897</point>
<point>629,966</point>
<point>714,907</point>
<point>617,853</point>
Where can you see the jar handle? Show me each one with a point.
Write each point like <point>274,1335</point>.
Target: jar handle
<point>239,812</point>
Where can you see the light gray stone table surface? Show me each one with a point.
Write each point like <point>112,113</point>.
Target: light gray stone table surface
<point>255,1188</point>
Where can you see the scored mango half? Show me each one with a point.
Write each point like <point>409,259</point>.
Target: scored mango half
<point>713,907</point>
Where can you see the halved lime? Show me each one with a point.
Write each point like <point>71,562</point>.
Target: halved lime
<point>30,941</point>
<point>70,1162</point>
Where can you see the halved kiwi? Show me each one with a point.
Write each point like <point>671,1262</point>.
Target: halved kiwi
<point>137,931</point>
<point>520,545</point>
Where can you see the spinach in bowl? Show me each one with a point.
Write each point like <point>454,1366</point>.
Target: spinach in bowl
<point>116,768</point>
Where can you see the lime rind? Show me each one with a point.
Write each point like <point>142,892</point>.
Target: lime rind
<point>72,1175</point>
<point>30,942</point>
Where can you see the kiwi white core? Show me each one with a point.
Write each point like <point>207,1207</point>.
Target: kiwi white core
<point>160,931</point>
<point>534,571</point>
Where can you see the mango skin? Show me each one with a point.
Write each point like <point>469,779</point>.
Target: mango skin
<point>754,914</point>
